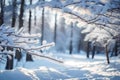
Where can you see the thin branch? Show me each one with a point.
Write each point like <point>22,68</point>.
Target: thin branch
<point>94,19</point>
<point>26,36</point>
<point>108,15</point>
<point>41,47</point>
<point>97,3</point>
<point>38,48</point>
<point>77,16</point>
<point>18,42</point>
<point>44,56</point>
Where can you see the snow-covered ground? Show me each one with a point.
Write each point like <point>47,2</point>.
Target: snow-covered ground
<point>74,67</point>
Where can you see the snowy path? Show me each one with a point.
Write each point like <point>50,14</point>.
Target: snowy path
<point>75,67</point>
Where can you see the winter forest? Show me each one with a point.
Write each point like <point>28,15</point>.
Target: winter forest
<point>59,39</point>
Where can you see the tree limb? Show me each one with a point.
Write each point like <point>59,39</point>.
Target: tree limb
<point>44,56</point>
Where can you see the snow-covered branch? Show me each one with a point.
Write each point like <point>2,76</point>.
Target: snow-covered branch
<point>82,2</point>
<point>29,49</point>
<point>41,47</point>
<point>45,56</point>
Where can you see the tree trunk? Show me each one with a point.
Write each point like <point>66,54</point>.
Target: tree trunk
<point>18,54</point>
<point>88,49</point>
<point>93,52</point>
<point>55,29</point>
<point>14,13</point>
<point>35,17</point>
<point>71,42</point>
<point>116,48</point>
<point>79,45</point>
<point>21,14</point>
<point>107,54</point>
<point>29,57</point>
<point>42,27</point>
<point>2,4</point>
<point>9,64</point>
<point>30,12</point>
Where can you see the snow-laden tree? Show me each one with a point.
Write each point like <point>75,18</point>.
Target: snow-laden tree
<point>101,14</point>
<point>16,44</point>
<point>90,14</point>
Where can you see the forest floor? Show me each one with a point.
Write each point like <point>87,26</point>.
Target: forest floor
<point>74,67</point>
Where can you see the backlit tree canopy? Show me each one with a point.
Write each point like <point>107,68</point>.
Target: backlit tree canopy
<point>91,15</point>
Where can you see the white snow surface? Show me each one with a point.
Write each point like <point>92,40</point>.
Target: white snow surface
<point>74,67</point>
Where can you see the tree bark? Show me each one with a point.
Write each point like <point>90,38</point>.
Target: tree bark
<point>9,64</point>
<point>42,27</point>
<point>55,29</point>
<point>42,24</point>
<point>79,46</point>
<point>116,48</point>
<point>88,49</point>
<point>93,52</point>
<point>2,4</point>
<point>18,54</point>
<point>14,13</point>
<point>29,57</point>
<point>71,42</point>
<point>30,12</point>
<point>21,14</point>
<point>35,20</point>
<point>107,54</point>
